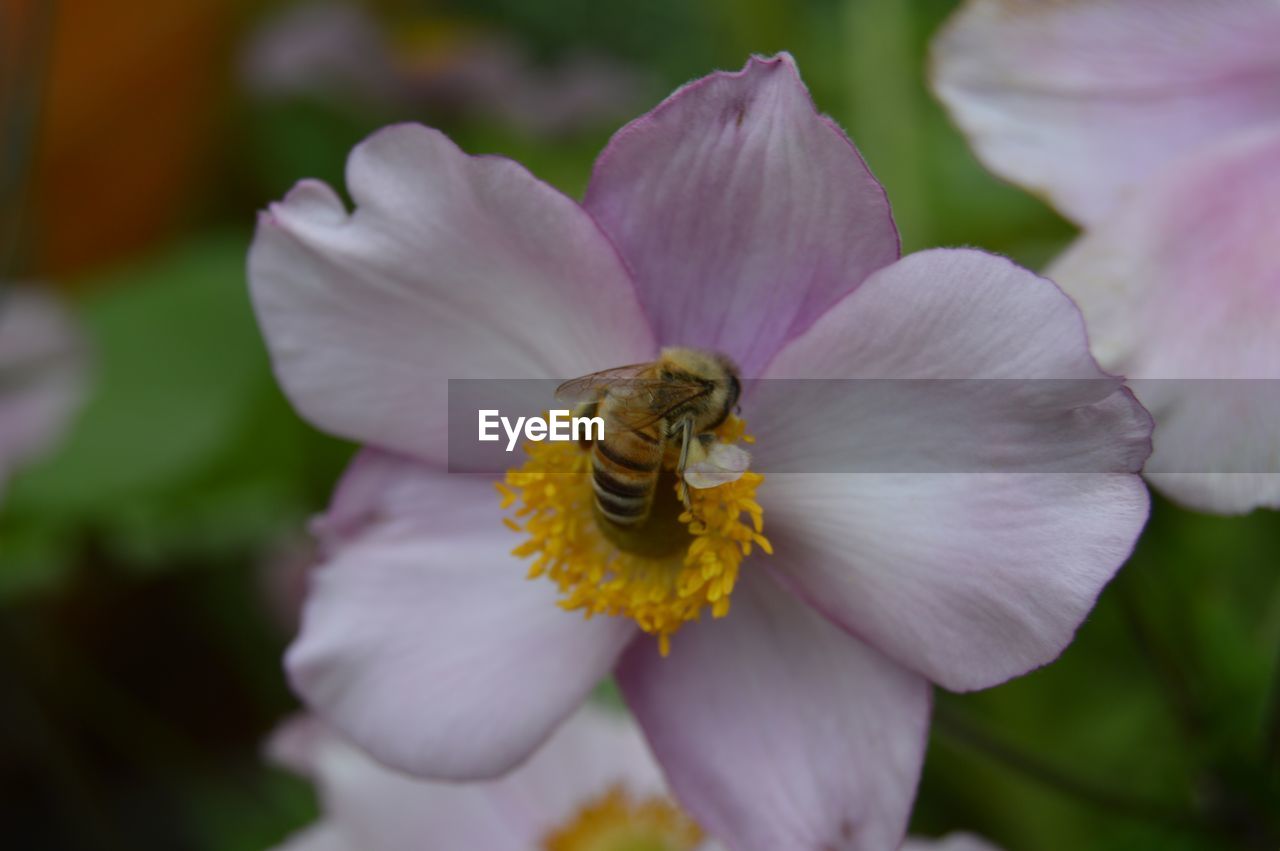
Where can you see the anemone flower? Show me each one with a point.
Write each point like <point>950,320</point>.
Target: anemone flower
<point>41,375</point>
<point>592,786</point>
<point>732,218</point>
<point>1156,126</point>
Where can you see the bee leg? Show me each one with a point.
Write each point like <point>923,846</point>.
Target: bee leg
<point>686,436</point>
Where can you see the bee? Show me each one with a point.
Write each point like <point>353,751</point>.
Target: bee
<point>648,409</point>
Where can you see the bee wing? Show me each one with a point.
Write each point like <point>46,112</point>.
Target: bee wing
<point>652,400</point>
<point>589,388</point>
<point>723,463</point>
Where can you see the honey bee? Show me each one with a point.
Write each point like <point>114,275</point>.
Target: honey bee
<point>648,409</point>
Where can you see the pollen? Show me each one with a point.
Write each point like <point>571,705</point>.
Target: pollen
<point>619,822</point>
<point>551,503</point>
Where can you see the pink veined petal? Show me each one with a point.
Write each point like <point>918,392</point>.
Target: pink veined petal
<point>1085,100</point>
<point>451,266</point>
<point>990,516</point>
<point>373,808</point>
<point>424,643</point>
<point>1181,289</point>
<point>778,730</point>
<point>741,211</point>
<point>42,374</point>
<point>950,842</point>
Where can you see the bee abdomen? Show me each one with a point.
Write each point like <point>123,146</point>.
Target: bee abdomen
<point>642,463</point>
<point>622,500</point>
<point>607,484</point>
<point>624,473</point>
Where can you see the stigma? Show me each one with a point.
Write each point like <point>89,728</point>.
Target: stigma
<point>663,574</point>
<point>618,822</point>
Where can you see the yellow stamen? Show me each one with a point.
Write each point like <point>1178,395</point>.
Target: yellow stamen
<point>618,822</point>
<point>553,505</point>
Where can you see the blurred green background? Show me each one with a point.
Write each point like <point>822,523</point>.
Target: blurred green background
<point>150,567</point>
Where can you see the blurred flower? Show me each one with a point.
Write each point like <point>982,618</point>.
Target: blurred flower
<point>320,49</point>
<point>1155,125</point>
<point>593,780</point>
<point>41,375</point>
<point>337,49</point>
<point>736,218</point>
<point>592,785</point>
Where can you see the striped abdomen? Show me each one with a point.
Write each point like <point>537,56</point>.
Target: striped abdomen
<point>624,469</point>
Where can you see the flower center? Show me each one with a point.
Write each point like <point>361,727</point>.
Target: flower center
<point>661,574</point>
<point>617,822</point>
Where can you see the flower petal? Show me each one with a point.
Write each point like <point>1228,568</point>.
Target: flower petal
<point>42,375</point>
<point>375,808</point>
<point>950,360</point>
<point>451,266</point>
<point>741,211</point>
<point>595,750</point>
<point>1181,290</point>
<point>424,643</point>
<point>779,730</point>
<point>974,568</point>
<point>368,807</point>
<point>1086,100</point>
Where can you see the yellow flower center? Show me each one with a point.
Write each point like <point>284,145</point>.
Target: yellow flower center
<point>617,822</point>
<point>661,575</point>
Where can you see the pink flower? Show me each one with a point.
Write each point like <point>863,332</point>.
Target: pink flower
<point>594,778</point>
<point>41,375</point>
<point>1156,125</point>
<point>735,218</point>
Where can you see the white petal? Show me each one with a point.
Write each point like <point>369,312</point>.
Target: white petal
<point>1086,100</point>
<point>374,808</point>
<point>778,730</point>
<point>423,641</point>
<point>1000,493</point>
<point>1181,290</point>
<point>450,267</point>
